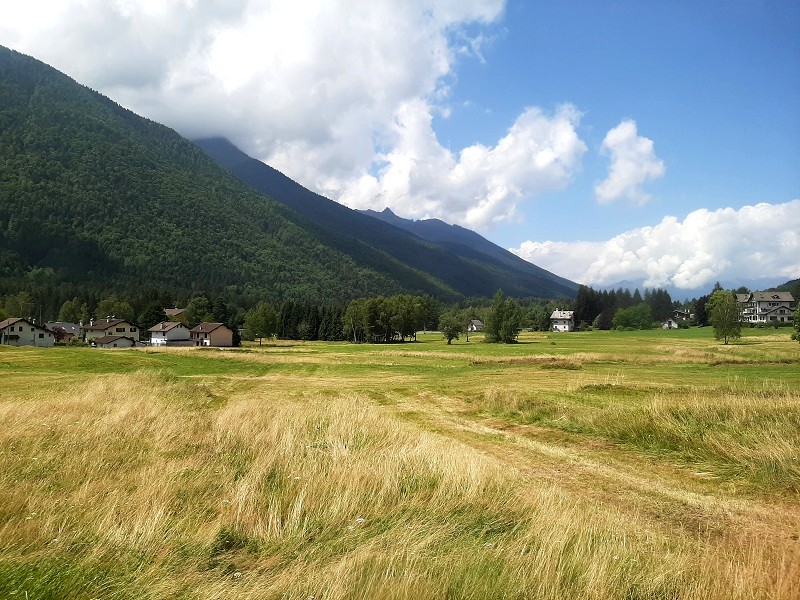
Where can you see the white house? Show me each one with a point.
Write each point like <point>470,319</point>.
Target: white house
<point>766,307</point>
<point>21,332</point>
<point>170,333</point>
<point>562,320</point>
<point>474,325</point>
<point>110,326</point>
<point>670,324</point>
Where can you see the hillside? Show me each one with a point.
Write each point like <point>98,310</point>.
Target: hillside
<point>467,243</point>
<point>91,192</point>
<point>463,260</point>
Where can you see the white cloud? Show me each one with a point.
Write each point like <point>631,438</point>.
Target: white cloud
<point>338,94</point>
<point>481,185</point>
<point>707,246</point>
<point>633,162</point>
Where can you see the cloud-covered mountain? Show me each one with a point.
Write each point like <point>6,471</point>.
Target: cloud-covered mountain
<point>461,259</point>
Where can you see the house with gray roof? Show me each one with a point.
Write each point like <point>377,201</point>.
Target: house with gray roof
<point>562,320</point>
<point>766,307</point>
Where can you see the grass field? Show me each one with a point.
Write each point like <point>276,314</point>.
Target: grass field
<point>636,465</point>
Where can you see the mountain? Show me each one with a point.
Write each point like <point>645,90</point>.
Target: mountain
<point>94,194</point>
<point>463,260</point>
<point>466,243</point>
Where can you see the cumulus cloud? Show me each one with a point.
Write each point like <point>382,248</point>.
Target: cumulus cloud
<point>633,162</point>
<point>481,184</point>
<point>707,246</point>
<point>338,94</point>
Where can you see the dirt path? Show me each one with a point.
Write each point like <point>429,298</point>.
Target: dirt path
<point>667,495</point>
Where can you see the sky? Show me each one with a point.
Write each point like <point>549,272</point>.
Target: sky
<point>650,143</point>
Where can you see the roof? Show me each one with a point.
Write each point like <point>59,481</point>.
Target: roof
<point>173,312</point>
<point>208,327</point>
<point>67,327</point>
<point>742,297</point>
<point>12,320</point>
<point>108,339</point>
<point>476,322</point>
<point>562,314</point>
<point>772,296</point>
<point>166,326</point>
<point>103,324</point>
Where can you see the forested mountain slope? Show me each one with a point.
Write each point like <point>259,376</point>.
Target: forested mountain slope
<point>464,261</point>
<point>91,192</point>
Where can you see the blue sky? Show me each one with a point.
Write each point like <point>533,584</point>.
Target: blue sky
<point>652,143</point>
<point>715,85</point>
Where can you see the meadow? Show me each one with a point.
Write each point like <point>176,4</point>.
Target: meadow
<point>601,465</point>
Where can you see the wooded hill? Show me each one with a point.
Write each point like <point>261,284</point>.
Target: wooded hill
<point>92,194</point>
<point>462,259</point>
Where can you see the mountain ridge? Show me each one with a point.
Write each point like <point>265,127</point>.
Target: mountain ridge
<point>469,271</point>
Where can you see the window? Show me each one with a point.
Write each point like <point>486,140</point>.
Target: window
<point>12,328</point>
<point>41,336</point>
<point>133,329</point>
<point>120,330</point>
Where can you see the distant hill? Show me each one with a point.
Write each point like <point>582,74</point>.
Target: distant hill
<point>467,243</point>
<point>460,258</point>
<point>90,192</point>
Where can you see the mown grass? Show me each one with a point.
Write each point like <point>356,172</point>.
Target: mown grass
<point>417,470</point>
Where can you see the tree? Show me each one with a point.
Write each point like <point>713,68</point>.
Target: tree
<point>724,315</point>
<point>198,310</point>
<point>19,305</point>
<point>635,317</point>
<point>70,311</point>
<point>261,322</point>
<point>111,307</point>
<point>451,325</point>
<point>151,315</point>
<point>701,311</point>
<point>797,324</point>
<point>504,321</point>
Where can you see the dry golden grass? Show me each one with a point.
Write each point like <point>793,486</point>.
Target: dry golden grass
<point>295,484</point>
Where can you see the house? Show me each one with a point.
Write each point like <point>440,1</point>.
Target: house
<point>766,307</point>
<point>170,333</point>
<point>212,334</point>
<point>109,326</point>
<point>562,320</point>
<point>670,324</point>
<point>22,332</point>
<point>113,341</point>
<point>474,325</point>
<point>63,331</point>
<point>681,315</point>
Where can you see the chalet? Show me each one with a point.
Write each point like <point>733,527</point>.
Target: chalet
<point>109,326</point>
<point>170,333</point>
<point>22,332</point>
<point>670,324</point>
<point>474,325</point>
<point>113,341</point>
<point>562,320</point>
<point>212,334</point>
<point>766,307</point>
<point>63,331</point>
<point>681,315</point>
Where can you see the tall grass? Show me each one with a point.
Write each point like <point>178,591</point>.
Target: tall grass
<point>147,486</point>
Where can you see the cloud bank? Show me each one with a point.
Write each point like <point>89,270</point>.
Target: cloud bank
<point>707,246</point>
<point>339,95</point>
<point>633,162</point>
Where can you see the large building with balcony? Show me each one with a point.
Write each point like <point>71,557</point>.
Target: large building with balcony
<point>766,307</point>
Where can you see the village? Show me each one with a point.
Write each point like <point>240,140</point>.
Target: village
<point>755,309</point>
